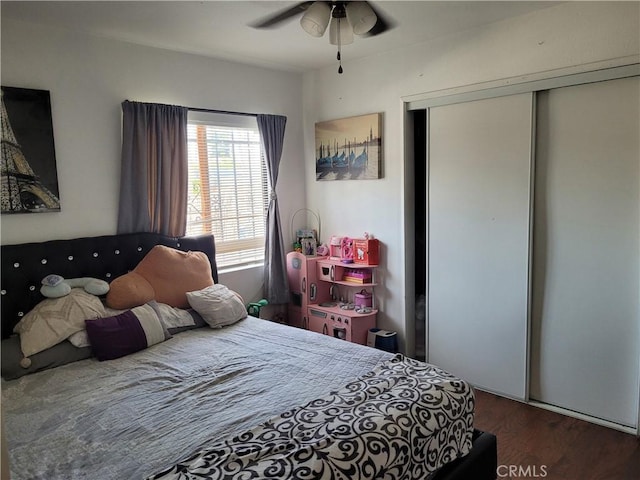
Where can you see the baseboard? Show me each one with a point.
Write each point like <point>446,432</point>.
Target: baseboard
<point>582,416</point>
<point>569,413</point>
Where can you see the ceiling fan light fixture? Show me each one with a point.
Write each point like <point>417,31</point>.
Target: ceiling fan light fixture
<point>316,19</point>
<point>361,17</point>
<point>340,32</point>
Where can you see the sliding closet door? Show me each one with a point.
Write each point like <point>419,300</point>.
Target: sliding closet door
<point>478,230</point>
<point>585,310</point>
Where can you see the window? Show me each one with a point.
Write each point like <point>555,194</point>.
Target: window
<point>228,191</point>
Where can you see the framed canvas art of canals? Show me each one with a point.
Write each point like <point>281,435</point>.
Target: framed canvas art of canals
<point>349,148</point>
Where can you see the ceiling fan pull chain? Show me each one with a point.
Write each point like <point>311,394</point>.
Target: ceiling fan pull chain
<point>339,47</point>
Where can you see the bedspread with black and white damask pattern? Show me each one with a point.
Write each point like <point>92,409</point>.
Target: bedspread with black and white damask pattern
<point>403,420</point>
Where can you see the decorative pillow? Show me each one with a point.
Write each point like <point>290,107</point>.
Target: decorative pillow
<point>165,275</point>
<point>175,320</point>
<point>128,332</point>
<point>58,355</point>
<point>218,305</point>
<point>80,339</point>
<point>55,319</point>
<point>128,291</point>
<point>199,323</point>
<point>179,319</point>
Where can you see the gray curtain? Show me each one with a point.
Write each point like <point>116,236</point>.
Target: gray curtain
<point>154,175</point>
<point>276,289</point>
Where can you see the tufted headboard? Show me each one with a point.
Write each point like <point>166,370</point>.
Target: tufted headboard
<point>105,257</point>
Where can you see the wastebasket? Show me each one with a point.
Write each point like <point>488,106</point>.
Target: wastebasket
<point>383,340</point>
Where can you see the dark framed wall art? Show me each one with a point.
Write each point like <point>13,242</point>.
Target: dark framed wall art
<point>349,148</point>
<point>29,174</point>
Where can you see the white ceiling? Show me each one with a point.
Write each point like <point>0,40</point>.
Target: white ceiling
<point>221,29</point>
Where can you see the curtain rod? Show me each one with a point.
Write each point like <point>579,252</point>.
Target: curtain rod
<point>227,112</point>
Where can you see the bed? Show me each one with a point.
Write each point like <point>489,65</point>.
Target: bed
<point>253,396</point>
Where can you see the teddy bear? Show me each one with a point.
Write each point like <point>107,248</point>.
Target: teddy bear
<point>55,286</point>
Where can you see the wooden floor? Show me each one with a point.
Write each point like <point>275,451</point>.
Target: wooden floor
<point>536,443</point>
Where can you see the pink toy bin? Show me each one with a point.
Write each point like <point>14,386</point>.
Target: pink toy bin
<point>363,299</point>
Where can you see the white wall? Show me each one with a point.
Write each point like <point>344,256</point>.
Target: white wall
<point>88,78</point>
<point>567,35</point>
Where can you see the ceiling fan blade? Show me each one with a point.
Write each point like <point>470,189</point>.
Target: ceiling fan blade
<point>273,20</point>
<point>383,24</point>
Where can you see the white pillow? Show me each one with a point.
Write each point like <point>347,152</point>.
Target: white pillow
<point>80,339</point>
<point>174,317</point>
<point>55,319</point>
<point>218,305</point>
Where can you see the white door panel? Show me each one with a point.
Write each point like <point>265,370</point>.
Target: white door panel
<point>479,215</point>
<point>586,315</point>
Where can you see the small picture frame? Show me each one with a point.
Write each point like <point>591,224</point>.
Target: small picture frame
<point>308,246</point>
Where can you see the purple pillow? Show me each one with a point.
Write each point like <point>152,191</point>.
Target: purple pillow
<point>128,332</point>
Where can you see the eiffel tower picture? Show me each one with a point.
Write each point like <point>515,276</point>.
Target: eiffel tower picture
<point>22,190</point>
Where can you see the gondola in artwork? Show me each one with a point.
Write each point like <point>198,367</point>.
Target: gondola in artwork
<point>349,148</point>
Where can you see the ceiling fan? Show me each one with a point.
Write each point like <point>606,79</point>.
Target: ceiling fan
<point>344,19</point>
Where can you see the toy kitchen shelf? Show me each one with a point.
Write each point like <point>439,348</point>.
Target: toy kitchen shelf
<point>350,275</point>
<point>324,294</point>
<point>339,316</point>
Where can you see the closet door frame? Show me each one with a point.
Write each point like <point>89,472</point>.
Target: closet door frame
<point>602,71</point>
<point>622,68</point>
